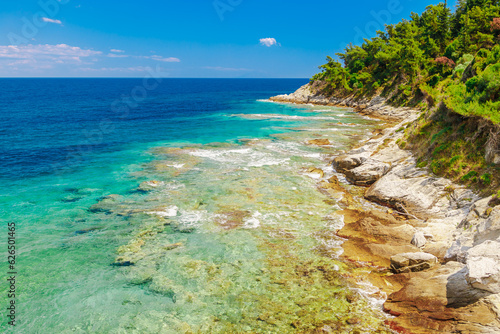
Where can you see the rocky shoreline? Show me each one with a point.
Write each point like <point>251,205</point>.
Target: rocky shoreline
<point>432,246</point>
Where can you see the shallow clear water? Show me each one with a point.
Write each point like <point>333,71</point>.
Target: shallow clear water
<point>232,235</point>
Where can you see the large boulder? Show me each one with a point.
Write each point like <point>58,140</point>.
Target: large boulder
<point>419,239</point>
<point>442,301</point>
<point>368,172</point>
<point>483,264</point>
<point>481,224</point>
<point>408,262</point>
<point>347,162</point>
<point>489,227</point>
<point>417,195</point>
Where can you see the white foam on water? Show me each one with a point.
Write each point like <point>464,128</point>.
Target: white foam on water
<point>252,222</point>
<point>321,129</point>
<point>177,166</point>
<point>246,157</point>
<point>375,297</point>
<point>335,221</point>
<point>193,218</point>
<point>285,117</point>
<point>291,148</point>
<point>167,187</point>
<point>268,162</point>
<point>314,176</point>
<point>170,211</point>
<point>220,155</point>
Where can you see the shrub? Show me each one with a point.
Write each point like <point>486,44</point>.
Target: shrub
<point>471,84</point>
<point>470,175</point>
<point>444,61</point>
<point>495,24</point>
<point>422,164</point>
<point>485,179</point>
<point>455,159</point>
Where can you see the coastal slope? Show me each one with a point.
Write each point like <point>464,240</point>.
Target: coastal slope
<point>438,240</point>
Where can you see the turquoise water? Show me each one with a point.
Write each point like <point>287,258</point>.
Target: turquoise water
<point>215,244</point>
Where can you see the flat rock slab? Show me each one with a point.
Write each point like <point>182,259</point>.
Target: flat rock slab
<point>410,262</point>
<point>347,162</point>
<point>368,172</point>
<point>417,195</point>
<point>483,264</point>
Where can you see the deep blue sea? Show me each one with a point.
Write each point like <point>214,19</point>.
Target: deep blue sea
<point>229,175</point>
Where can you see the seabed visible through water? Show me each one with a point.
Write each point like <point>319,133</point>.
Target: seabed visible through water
<point>231,237</point>
<point>236,238</point>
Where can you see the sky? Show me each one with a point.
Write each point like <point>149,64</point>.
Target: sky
<point>188,39</point>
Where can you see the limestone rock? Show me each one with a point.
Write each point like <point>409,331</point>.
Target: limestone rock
<point>418,195</point>
<point>315,173</point>
<point>407,262</point>
<point>346,162</point>
<point>441,301</point>
<point>419,239</point>
<point>483,264</point>
<point>489,227</point>
<point>368,172</point>
<point>319,142</point>
<point>149,185</point>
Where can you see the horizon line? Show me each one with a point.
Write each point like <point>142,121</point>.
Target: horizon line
<point>144,77</point>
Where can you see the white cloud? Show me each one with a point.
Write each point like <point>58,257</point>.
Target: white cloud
<point>226,69</point>
<point>116,51</point>
<point>46,19</point>
<point>33,58</point>
<point>268,41</point>
<point>117,69</point>
<point>45,51</point>
<point>168,60</point>
<point>114,55</point>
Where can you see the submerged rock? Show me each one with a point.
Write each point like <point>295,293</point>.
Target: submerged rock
<point>88,230</point>
<point>315,173</point>
<point>319,142</point>
<point>149,185</point>
<point>106,204</point>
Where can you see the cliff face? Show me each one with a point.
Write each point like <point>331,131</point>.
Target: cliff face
<point>453,283</point>
<point>312,93</point>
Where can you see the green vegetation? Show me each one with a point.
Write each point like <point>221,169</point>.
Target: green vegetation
<point>448,65</point>
<point>447,57</point>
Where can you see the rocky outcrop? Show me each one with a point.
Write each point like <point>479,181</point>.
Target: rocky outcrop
<point>442,301</point>
<point>347,162</point>
<point>367,173</point>
<point>444,246</point>
<point>312,93</point>
<point>419,240</point>
<point>483,266</point>
<point>408,262</point>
